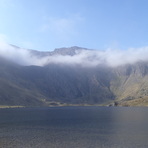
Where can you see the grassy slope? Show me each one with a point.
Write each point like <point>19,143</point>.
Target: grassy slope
<point>131,84</point>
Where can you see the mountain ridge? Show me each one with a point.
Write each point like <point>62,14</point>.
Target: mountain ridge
<point>62,84</point>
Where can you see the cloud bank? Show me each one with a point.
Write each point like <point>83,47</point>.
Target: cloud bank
<point>108,57</point>
<point>20,56</point>
<point>84,57</point>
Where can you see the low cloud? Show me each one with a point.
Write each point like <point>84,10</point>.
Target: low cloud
<point>20,56</point>
<point>84,57</point>
<point>108,57</point>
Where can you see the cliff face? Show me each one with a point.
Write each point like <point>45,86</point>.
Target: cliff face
<point>21,85</point>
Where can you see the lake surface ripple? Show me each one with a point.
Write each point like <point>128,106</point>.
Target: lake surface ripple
<point>74,127</point>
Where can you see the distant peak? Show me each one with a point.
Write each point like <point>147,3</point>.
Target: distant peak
<point>71,48</point>
<point>68,50</point>
<point>76,47</point>
<point>13,46</point>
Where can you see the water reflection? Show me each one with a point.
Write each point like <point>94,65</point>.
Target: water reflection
<point>130,127</point>
<point>74,127</point>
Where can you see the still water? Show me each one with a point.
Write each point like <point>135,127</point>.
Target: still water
<point>74,127</point>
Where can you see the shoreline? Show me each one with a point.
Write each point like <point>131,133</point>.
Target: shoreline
<point>65,105</point>
<point>70,105</point>
<point>15,106</point>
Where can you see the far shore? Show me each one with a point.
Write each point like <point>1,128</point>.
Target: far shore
<point>7,106</point>
<point>70,105</point>
<point>63,105</point>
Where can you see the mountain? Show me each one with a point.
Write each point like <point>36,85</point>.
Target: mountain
<point>33,85</point>
<point>71,51</point>
<point>71,84</point>
<point>130,84</point>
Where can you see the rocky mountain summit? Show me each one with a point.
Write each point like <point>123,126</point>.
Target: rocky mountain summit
<point>71,51</point>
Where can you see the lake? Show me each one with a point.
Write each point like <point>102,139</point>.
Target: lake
<point>74,127</point>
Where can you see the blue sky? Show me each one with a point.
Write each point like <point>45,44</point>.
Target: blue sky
<point>95,24</point>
